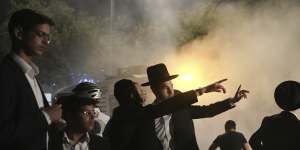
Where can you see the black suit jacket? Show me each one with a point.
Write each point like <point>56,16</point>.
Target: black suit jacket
<point>182,126</point>
<point>22,123</point>
<point>132,128</point>
<point>277,132</point>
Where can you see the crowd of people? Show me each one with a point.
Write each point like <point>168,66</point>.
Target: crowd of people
<point>28,122</point>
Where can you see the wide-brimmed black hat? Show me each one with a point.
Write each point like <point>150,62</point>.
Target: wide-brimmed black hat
<point>287,95</point>
<point>158,73</point>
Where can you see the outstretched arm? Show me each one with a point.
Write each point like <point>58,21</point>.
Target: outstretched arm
<point>219,107</point>
<point>214,87</point>
<point>210,110</point>
<point>168,106</point>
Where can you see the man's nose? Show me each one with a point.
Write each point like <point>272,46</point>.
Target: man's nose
<point>45,41</point>
<point>170,92</point>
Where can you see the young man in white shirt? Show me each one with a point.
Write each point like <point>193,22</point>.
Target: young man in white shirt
<point>25,114</point>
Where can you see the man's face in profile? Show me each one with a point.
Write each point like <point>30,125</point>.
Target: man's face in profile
<point>163,90</point>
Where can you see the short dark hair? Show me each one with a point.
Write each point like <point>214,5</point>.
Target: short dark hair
<point>123,89</point>
<point>27,19</point>
<point>230,124</point>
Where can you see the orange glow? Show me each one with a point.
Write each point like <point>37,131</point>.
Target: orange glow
<point>187,77</point>
<point>191,75</point>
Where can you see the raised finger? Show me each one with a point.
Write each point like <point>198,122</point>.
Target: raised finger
<point>238,91</point>
<point>217,83</point>
<point>223,89</point>
<point>245,91</point>
<point>220,81</point>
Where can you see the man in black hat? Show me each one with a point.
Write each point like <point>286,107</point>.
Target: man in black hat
<point>79,114</point>
<point>280,131</point>
<point>128,126</point>
<point>176,130</point>
<point>131,126</point>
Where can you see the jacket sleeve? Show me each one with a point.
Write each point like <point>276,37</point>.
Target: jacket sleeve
<point>168,106</point>
<point>210,110</point>
<point>8,104</point>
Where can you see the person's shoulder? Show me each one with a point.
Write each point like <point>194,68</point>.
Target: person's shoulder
<point>8,70</point>
<point>239,134</point>
<point>5,62</point>
<point>96,138</point>
<point>118,112</point>
<point>122,113</point>
<point>271,118</point>
<point>279,117</point>
<point>8,66</point>
<point>99,142</point>
<point>221,136</point>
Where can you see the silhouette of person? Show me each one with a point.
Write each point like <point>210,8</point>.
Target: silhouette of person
<point>280,131</point>
<point>231,139</point>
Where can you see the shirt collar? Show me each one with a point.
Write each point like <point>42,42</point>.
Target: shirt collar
<point>86,138</point>
<point>27,67</point>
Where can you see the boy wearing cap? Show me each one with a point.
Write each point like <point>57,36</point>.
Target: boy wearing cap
<point>79,114</point>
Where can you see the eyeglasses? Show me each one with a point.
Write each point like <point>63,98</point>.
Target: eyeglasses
<point>43,35</point>
<point>90,113</point>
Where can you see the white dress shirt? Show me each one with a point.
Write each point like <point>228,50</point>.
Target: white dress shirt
<point>162,128</point>
<point>68,144</point>
<point>31,70</point>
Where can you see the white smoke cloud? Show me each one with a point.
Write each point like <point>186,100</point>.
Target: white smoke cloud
<point>254,45</point>
<point>257,47</point>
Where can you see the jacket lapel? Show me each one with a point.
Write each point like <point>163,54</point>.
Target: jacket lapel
<point>26,84</point>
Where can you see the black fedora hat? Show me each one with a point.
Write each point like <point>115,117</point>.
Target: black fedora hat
<point>158,73</point>
<point>287,95</point>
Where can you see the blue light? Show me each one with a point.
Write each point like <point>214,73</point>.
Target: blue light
<point>82,77</point>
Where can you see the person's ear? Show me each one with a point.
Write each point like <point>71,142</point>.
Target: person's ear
<point>19,33</point>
